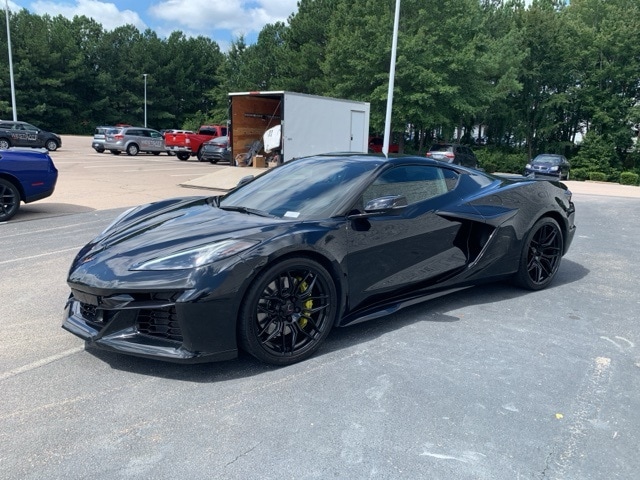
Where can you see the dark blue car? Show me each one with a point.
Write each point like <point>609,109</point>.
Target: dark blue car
<point>25,176</point>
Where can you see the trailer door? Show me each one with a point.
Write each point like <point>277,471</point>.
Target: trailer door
<point>357,131</point>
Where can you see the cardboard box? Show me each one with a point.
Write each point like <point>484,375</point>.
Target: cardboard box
<point>259,161</point>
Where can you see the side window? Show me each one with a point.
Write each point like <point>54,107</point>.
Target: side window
<point>415,182</point>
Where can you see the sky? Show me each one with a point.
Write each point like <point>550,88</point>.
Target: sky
<point>220,20</point>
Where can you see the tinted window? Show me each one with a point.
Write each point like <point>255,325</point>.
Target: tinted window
<point>416,183</point>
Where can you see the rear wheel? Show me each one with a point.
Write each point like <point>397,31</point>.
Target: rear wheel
<point>183,156</point>
<point>288,312</point>
<point>132,149</point>
<point>541,255</point>
<point>9,200</point>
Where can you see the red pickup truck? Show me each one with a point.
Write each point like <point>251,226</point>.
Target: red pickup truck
<point>185,145</point>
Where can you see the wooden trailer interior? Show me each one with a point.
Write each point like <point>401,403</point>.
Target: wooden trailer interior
<point>251,117</point>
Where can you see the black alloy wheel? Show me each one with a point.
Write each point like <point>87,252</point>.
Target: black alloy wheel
<point>51,145</point>
<point>132,149</point>
<point>9,200</point>
<point>288,312</point>
<point>541,255</point>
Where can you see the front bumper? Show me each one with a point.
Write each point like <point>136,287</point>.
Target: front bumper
<point>160,326</point>
<point>177,149</point>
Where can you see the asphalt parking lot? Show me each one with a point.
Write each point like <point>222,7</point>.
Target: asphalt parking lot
<point>489,383</point>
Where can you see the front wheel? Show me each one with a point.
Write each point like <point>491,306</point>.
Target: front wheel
<point>541,255</point>
<point>288,312</point>
<point>9,200</point>
<point>51,145</point>
<point>4,144</point>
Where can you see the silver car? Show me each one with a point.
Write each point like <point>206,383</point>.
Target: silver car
<point>99,136</point>
<point>134,140</point>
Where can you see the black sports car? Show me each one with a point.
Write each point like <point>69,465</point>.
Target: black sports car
<point>318,242</point>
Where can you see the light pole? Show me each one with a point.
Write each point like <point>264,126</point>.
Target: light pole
<point>145,99</point>
<point>13,87</point>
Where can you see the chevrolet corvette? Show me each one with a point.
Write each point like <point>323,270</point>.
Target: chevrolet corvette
<point>319,242</point>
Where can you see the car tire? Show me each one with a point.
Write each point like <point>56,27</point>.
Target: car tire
<point>183,156</point>
<point>99,150</point>
<point>288,311</point>
<point>156,153</point>
<point>51,145</point>
<point>132,150</point>
<point>541,254</point>
<point>199,155</point>
<point>5,144</point>
<point>9,200</point>
<point>115,152</point>
<point>213,161</point>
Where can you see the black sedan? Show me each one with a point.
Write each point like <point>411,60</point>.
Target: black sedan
<point>549,165</point>
<point>318,242</point>
<point>25,176</point>
<point>215,150</point>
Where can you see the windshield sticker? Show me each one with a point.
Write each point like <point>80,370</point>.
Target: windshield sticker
<point>292,214</point>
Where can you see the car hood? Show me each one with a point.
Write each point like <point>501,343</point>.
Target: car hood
<point>159,229</point>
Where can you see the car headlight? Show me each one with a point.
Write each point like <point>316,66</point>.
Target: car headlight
<point>528,165</point>
<point>554,168</point>
<point>197,256</point>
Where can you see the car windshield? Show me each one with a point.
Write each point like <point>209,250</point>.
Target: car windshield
<point>547,159</point>
<point>309,188</point>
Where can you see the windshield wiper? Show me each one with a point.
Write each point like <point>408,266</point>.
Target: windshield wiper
<point>241,209</point>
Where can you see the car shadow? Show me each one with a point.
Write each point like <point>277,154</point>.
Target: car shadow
<point>340,338</point>
<point>37,211</point>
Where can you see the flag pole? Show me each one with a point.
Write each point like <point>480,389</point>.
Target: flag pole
<point>392,76</point>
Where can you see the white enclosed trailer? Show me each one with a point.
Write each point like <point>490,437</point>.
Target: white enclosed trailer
<point>309,124</point>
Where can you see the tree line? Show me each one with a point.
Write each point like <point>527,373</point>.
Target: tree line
<point>513,79</point>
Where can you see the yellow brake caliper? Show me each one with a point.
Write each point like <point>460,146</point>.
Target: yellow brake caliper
<point>308,305</point>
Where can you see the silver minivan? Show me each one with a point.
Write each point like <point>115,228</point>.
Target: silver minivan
<point>134,140</point>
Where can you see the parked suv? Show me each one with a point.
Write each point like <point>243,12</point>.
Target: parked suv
<point>134,140</point>
<point>453,153</point>
<point>23,134</point>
